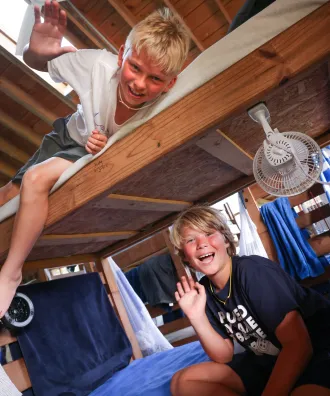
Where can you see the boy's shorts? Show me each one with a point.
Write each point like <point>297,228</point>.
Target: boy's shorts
<point>255,371</point>
<point>57,143</point>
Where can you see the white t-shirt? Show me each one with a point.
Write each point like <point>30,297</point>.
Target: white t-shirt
<point>94,75</point>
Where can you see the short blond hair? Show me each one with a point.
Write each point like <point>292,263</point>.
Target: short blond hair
<point>204,218</point>
<point>164,39</point>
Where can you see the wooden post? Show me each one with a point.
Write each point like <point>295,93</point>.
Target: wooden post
<point>120,308</point>
<point>180,269</point>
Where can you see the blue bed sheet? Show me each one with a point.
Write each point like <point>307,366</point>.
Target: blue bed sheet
<point>151,376</point>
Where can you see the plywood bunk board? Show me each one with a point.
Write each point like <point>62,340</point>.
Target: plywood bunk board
<point>199,149</point>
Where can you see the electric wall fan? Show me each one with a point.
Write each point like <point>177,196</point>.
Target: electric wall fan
<point>287,163</point>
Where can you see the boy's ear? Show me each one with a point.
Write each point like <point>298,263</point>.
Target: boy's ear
<point>121,55</point>
<point>170,84</point>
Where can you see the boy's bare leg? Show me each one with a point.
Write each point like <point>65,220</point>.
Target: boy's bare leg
<point>29,223</point>
<point>9,191</point>
<point>206,379</point>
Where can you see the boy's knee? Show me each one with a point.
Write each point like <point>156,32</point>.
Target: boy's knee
<point>178,381</point>
<point>35,179</point>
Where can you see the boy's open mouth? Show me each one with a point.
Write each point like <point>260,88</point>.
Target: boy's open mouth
<point>135,94</point>
<point>206,258</point>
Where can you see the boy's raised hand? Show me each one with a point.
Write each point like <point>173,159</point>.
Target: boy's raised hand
<point>96,142</point>
<point>191,298</point>
<point>46,37</point>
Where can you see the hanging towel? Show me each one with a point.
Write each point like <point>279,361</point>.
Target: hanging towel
<point>158,279</point>
<point>294,253</point>
<point>75,342</point>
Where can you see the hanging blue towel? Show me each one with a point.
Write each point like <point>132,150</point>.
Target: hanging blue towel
<point>75,342</point>
<point>294,252</point>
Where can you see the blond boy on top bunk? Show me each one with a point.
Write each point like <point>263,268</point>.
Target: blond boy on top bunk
<point>283,327</point>
<point>113,91</point>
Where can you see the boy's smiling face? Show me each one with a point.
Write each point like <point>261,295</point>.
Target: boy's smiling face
<point>140,79</point>
<point>205,251</point>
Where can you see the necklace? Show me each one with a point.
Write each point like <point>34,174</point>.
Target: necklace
<point>134,108</point>
<point>230,284</point>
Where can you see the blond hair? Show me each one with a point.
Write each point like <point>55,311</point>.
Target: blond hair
<point>204,218</point>
<point>164,39</point>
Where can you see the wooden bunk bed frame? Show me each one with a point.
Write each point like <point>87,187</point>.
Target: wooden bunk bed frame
<point>174,160</point>
<point>290,73</point>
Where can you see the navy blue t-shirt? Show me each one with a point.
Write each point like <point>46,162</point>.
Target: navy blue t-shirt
<point>262,294</point>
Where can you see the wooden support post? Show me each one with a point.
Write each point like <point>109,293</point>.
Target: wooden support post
<point>180,269</point>
<point>120,308</point>
<point>255,215</point>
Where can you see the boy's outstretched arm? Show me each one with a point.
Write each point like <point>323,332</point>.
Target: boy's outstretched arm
<point>296,352</point>
<point>46,37</point>
<point>191,298</point>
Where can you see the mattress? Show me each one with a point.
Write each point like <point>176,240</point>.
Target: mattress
<point>273,20</point>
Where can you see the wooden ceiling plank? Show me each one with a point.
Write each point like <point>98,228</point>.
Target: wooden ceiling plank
<point>7,170</point>
<point>224,11</point>
<point>27,101</point>
<point>59,262</point>
<point>20,129</point>
<point>82,23</point>
<point>26,70</point>
<point>127,202</point>
<point>194,38</point>
<point>13,151</point>
<point>124,12</point>
<point>69,239</point>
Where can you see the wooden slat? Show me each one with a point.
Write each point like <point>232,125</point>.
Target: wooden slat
<point>110,277</point>
<point>224,10</point>
<point>118,201</point>
<point>178,324</point>
<point>58,262</point>
<point>321,244</point>
<point>196,40</point>
<point>18,374</point>
<point>20,129</point>
<point>138,262</point>
<point>314,216</point>
<point>7,170</point>
<point>180,270</point>
<point>5,337</point>
<point>124,12</point>
<point>314,191</point>
<point>13,151</point>
<point>70,239</point>
<point>87,27</point>
<point>185,341</point>
<point>156,311</point>
<point>27,71</point>
<point>27,101</point>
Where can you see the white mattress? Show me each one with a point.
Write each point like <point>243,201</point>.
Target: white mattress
<point>276,18</point>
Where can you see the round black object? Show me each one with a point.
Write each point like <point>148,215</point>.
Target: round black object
<point>20,312</point>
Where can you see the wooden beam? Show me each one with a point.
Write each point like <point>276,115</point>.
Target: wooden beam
<point>124,12</point>
<point>27,101</point>
<point>178,324</point>
<point>73,239</point>
<point>185,341</point>
<point>27,71</point>
<point>118,302</point>
<point>18,374</point>
<point>321,244</point>
<point>226,150</point>
<point>83,24</point>
<point>13,151</point>
<point>180,269</point>
<point>58,262</point>
<point>20,129</point>
<point>128,202</point>
<point>7,170</point>
<point>194,38</point>
<point>314,191</point>
<point>314,216</point>
<point>224,11</point>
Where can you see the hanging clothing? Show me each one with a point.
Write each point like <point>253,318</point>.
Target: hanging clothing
<point>158,279</point>
<point>294,253</point>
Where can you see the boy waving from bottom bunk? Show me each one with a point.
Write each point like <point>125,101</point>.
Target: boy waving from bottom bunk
<point>283,327</point>
<point>113,91</point>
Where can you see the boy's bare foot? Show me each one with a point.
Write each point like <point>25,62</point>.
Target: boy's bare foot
<point>8,286</point>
